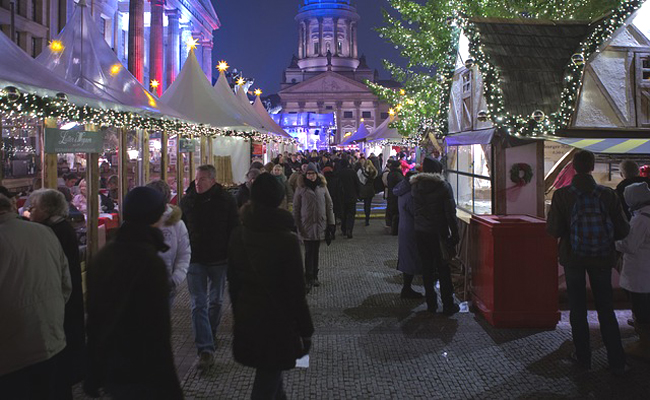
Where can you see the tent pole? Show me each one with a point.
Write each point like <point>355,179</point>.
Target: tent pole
<point>204,151</point>
<point>48,160</point>
<point>92,202</point>
<point>180,170</point>
<point>145,157</point>
<point>164,156</point>
<point>122,170</point>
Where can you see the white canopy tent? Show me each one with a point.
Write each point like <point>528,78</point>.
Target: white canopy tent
<point>266,118</point>
<point>228,99</point>
<point>268,127</point>
<point>81,56</point>
<point>361,134</point>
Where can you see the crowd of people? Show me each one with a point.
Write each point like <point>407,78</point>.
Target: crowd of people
<point>122,346</point>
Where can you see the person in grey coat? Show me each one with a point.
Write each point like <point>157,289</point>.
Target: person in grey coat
<point>313,212</point>
<point>408,257</point>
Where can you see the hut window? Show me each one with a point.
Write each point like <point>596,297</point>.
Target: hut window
<point>467,83</point>
<point>646,68</point>
<point>469,173</point>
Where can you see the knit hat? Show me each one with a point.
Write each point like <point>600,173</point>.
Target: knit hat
<point>144,205</point>
<point>431,165</point>
<point>312,167</point>
<point>266,190</point>
<point>637,195</point>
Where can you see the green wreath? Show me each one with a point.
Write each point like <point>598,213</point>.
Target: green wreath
<point>521,174</point>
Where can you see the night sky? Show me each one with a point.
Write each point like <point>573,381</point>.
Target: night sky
<point>259,37</point>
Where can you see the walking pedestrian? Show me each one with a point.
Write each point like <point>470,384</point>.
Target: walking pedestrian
<point>129,324</point>
<point>34,289</point>
<point>244,190</point>
<point>408,257</point>
<point>210,214</point>
<point>392,210</point>
<point>50,208</point>
<point>278,173</point>
<point>588,218</point>
<point>350,185</point>
<point>367,175</point>
<point>312,211</point>
<point>272,323</point>
<point>436,226</point>
<point>177,257</point>
<point>635,275</point>
<point>630,174</point>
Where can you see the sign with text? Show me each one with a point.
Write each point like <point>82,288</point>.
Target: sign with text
<point>60,141</point>
<point>189,145</point>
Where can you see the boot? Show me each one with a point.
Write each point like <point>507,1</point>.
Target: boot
<point>641,348</point>
<point>315,282</point>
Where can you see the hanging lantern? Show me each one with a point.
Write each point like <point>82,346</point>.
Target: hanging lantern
<point>482,116</point>
<point>538,115</point>
<point>578,59</point>
<point>469,63</point>
<point>12,93</point>
<point>62,97</point>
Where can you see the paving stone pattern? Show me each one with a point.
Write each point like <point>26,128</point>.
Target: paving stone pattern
<point>370,344</point>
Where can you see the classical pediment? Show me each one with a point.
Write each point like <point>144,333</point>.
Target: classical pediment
<point>327,82</point>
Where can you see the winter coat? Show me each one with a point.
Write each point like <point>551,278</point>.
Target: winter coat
<point>350,185</point>
<point>243,194</point>
<point>209,217</point>
<point>558,222</point>
<point>367,189</point>
<point>620,190</point>
<point>408,256</point>
<point>434,207</point>
<point>267,290</point>
<point>129,327</point>
<point>312,209</point>
<point>334,188</point>
<point>288,192</point>
<point>74,318</point>
<point>375,162</point>
<point>635,275</point>
<point>177,258</point>
<point>392,179</point>
<point>34,288</point>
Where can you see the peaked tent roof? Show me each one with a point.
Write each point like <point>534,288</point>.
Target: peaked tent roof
<point>531,56</point>
<point>87,61</point>
<point>383,132</point>
<point>226,95</point>
<point>267,119</point>
<point>19,69</point>
<point>361,134</point>
<point>193,95</point>
<point>246,104</point>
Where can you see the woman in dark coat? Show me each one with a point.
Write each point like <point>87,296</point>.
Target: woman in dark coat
<point>408,258</point>
<point>367,175</point>
<point>392,212</point>
<point>49,207</point>
<point>129,327</point>
<point>272,323</point>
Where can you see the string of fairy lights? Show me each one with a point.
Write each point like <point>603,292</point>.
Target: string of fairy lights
<point>432,46</point>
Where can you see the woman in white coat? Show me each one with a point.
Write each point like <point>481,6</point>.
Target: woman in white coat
<point>635,275</point>
<point>177,258</point>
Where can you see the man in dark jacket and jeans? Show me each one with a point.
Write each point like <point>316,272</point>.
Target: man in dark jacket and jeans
<point>561,224</point>
<point>436,225</point>
<point>210,214</point>
<point>349,184</point>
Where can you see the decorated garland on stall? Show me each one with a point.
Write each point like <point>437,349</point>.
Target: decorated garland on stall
<point>14,103</point>
<point>521,174</point>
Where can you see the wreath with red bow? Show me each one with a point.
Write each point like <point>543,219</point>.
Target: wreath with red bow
<point>521,174</point>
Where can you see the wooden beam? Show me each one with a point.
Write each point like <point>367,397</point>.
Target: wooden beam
<point>552,174</point>
<point>92,201</point>
<point>204,150</point>
<point>608,97</point>
<point>539,179</point>
<point>48,160</point>
<point>122,170</point>
<point>164,156</point>
<point>499,199</point>
<point>145,157</point>
<point>180,170</point>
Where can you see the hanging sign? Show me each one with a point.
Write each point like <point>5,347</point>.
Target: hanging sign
<point>188,145</point>
<point>60,141</point>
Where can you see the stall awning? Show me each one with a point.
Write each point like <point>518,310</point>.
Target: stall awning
<point>468,138</point>
<point>607,145</point>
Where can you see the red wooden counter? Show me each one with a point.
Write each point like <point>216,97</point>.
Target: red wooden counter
<point>514,271</point>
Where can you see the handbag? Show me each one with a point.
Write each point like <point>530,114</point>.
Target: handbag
<point>362,177</point>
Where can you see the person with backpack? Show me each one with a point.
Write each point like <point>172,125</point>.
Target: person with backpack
<point>635,275</point>
<point>588,218</point>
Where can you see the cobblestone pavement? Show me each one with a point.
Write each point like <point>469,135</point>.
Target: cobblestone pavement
<point>370,344</point>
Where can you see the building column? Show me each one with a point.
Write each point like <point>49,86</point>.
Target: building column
<point>136,39</point>
<point>206,59</point>
<point>348,26</point>
<point>301,41</point>
<point>355,52</point>
<point>320,37</point>
<point>357,107</point>
<point>156,44</point>
<point>173,48</point>
<point>339,106</point>
<point>117,35</point>
<point>335,23</point>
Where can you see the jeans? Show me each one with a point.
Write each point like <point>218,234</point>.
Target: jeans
<point>601,286</point>
<point>268,385</point>
<point>641,307</point>
<point>311,259</point>
<point>347,218</point>
<point>367,206</point>
<point>433,269</point>
<point>206,313</point>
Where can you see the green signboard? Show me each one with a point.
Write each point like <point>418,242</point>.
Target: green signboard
<point>189,145</point>
<point>60,141</point>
